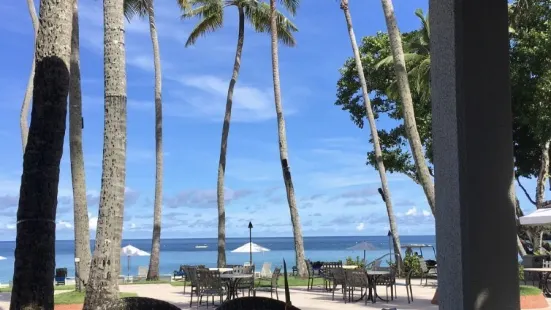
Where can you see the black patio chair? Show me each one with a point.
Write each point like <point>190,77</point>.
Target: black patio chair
<point>209,284</point>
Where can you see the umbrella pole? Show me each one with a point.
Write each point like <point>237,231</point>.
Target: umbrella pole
<point>128,267</point>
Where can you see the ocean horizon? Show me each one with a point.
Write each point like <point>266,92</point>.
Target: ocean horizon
<point>180,251</point>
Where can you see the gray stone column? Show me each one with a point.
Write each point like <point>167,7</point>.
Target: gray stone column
<point>473,155</point>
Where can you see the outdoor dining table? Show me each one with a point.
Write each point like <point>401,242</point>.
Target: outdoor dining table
<point>232,281</point>
<point>544,274</point>
<point>373,276</point>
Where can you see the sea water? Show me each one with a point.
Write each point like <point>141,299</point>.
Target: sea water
<point>176,252</point>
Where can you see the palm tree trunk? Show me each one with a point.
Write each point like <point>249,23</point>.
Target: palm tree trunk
<point>407,104</point>
<point>81,225</point>
<point>153,272</point>
<point>373,127</point>
<point>224,142</point>
<point>103,281</point>
<point>35,244</point>
<point>284,157</point>
<point>28,93</point>
<point>543,174</point>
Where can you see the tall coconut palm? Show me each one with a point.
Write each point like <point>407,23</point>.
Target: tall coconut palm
<point>372,125</point>
<point>102,283</point>
<point>28,93</point>
<point>146,8</point>
<point>211,14</point>
<point>80,210</point>
<point>35,244</point>
<point>407,103</point>
<point>417,57</point>
<point>283,154</point>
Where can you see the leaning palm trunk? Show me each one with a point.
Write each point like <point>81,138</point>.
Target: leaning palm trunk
<point>29,92</point>
<point>373,127</point>
<point>284,157</point>
<point>35,244</point>
<point>423,173</point>
<point>153,272</point>
<point>102,283</point>
<point>81,225</point>
<point>224,143</point>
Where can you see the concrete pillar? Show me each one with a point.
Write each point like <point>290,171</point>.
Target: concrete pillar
<point>473,155</point>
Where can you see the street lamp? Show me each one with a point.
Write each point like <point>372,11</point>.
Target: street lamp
<point>390,245</point>
<point>251,243</point>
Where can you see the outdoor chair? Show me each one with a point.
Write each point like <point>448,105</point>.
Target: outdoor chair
<point>209,284</point>
<point>407,285</point>
<point>248,283</point>
<point>427,273</point>
<point>311,274</point>
<point>266,272</point>
<point>142,272</point>
<point>376,265</point>
<point>60,276</point>
<point>356,279</point>
<point>273,284</point>
<point>326,274</point>
<point>338,277</point>
<point>387,281</point>
<point>191,277</point>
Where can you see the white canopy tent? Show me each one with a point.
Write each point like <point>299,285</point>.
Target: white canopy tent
<point>538,217</point>
<point>130,251</point>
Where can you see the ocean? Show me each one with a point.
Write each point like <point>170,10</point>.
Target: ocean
<point>176,252</point>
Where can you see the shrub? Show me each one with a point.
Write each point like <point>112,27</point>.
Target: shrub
<point>411,262</point>
<point>357,261</point>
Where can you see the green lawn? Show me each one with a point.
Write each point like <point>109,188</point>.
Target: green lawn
<point>75,297</point>
<point>529,290</point>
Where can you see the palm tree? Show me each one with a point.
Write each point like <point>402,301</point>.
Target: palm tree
<point>35,244</point>
<point>211,14</point>
<point>146,8</point>
<point>28,93</point>
<point>417,57</point>
<point>407,103</point>
<point>373,127</point>
<point>283,155</point>
<point>80,210</point>
<point>102,284</point>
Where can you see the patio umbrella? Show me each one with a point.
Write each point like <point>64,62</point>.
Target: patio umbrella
<point>250,247</point>
<point>538,217</point>
<point>362,246</point>
<point>130,251</point>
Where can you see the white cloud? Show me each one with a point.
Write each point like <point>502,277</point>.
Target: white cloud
<point>426,213</point>
<point>64,225</point>
<point>412,212</point>
<point>360,227</point>
<point>250,103</point>
<point>93,222</point>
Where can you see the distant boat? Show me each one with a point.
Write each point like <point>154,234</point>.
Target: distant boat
<point>201,246</point>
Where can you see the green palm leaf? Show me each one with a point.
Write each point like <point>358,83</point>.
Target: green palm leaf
<point>258,15</point>
<point>136,7</point>
<point>211,21</point>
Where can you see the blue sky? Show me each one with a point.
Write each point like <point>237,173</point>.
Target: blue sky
<point>336,192</point>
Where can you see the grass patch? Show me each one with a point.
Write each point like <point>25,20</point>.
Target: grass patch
<point>74,297</point>
<point>526,290</point>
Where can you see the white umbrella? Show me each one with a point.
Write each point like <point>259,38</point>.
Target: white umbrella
<point>538,217</point>
<point>250,247</point>
<point>363,246</point>
<point>130,251</point>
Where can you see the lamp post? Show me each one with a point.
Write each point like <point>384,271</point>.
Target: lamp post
<point>251,243</point>
<point>390,245</point>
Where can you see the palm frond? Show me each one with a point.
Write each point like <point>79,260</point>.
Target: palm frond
<point>136,7</point>
<point>258,14</point>
<point>290,5</point>
<point>207,25</point>
<point>200,8</point>
<point>384,62</point>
